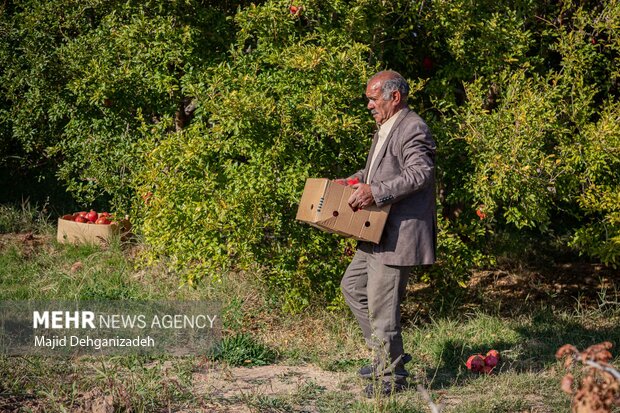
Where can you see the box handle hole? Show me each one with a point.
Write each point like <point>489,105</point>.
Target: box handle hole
<point>367,223</point>
<point>335,213</point>
<point>311,206</point>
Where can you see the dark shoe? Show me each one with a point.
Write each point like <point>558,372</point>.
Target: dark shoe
<point>383,388</point>
<point>368,371</point>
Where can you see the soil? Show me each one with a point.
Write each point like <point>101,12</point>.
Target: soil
<point>28,241</point>
<point>239,389</point>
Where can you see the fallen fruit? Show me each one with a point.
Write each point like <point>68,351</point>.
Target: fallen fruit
<point>491,361</point>
<point>475,363</point>
<point>76,266</point>
<point>493,353</point>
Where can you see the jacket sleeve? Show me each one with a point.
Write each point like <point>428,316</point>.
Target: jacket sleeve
<point>359,175</point>
<point>416,156</point>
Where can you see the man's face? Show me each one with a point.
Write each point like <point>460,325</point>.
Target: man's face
<point>379,108</point>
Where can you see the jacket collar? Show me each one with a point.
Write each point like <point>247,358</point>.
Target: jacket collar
<point>405,111</point>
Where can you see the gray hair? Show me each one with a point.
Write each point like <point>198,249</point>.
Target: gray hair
<point>394,81</point>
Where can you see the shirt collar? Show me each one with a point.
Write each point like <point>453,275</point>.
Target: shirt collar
<point>384,129</point>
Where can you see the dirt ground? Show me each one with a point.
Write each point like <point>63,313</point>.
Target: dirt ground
<point>235,390</point>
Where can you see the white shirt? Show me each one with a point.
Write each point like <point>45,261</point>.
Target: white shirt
<point>384,131</point>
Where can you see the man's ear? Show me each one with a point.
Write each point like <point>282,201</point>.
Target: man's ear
<point>396,98</point>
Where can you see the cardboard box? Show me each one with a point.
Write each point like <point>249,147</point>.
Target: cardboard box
<point>79,233</point>
<point>324,205</point>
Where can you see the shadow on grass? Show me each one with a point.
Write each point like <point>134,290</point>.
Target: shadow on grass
<point>511,291</point>
<point>534,351</point>
<point>543,304</point>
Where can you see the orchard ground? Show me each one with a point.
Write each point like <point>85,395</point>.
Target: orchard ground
<point>277,362</point>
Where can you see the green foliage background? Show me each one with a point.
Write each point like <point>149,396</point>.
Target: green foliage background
<point>202,120</point>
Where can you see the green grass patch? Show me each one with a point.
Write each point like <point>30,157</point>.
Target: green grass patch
<point>66,272</point>
<point>242,349</point>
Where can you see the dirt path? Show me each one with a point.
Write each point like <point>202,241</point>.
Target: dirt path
<point>245,390</point>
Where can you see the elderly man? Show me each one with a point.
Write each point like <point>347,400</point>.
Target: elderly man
<point>400,172</point>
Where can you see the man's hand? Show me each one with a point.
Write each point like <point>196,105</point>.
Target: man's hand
<point>361,198</point>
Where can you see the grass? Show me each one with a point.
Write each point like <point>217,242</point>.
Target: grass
<point>243,349</point>
<point>527,337</point>
<point>24,217</point>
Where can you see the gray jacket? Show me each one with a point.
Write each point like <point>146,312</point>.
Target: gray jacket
<point>404,176</point>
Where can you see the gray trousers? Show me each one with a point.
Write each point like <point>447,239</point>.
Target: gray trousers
<point>374,292</point>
